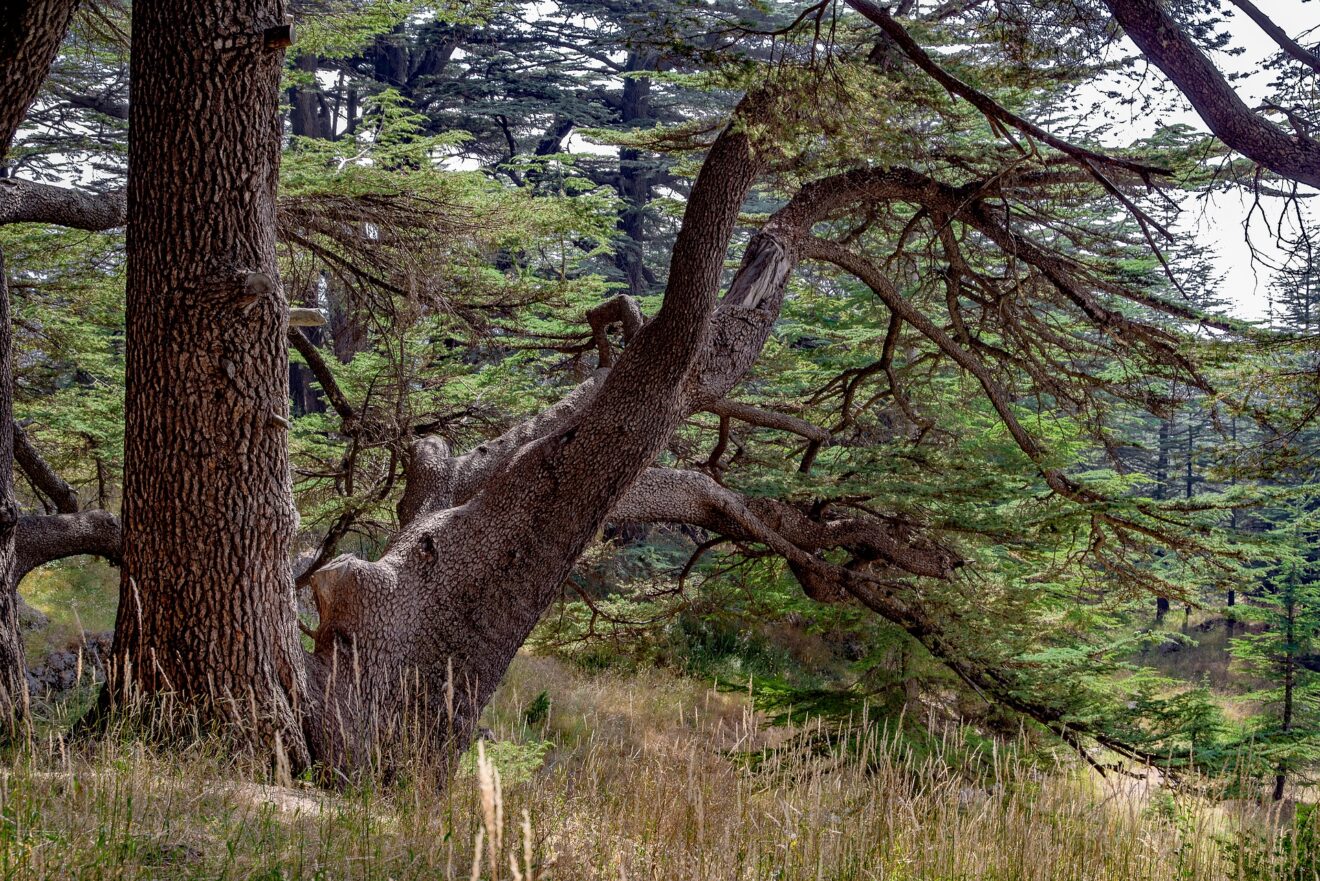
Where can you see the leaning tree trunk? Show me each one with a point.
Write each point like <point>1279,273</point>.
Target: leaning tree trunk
<point>416,642</point>
<point>206,598</point>
<point>30,35</point>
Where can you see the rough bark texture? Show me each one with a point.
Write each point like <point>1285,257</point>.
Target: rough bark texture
<point>206,603</point>
<point>13,667</point>
<point>29,39</point>
<point>30,35</point>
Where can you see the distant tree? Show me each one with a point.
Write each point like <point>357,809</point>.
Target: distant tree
<point>1295,293</point>
<point>1285,734</point>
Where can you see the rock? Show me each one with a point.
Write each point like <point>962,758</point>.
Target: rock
<point>30,618</point>
<point>60,670</point>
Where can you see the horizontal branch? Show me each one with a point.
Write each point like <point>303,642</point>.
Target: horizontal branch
<point>25,201</point>
<point>768,419</point>
<point>103,103</point>
<point>668,495</point>
<point>41,539</point>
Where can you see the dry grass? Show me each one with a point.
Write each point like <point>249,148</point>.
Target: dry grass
<point>639,778</point>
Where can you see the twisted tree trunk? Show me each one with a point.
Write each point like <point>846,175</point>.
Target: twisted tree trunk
<point>421,637</point>
<point>437,620</point>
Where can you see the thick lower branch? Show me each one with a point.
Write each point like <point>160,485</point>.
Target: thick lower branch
<point>25,201</point>
<point>667,495</point>
<point>41,539</point>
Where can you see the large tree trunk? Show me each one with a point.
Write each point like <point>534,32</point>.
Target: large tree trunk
<point>206,600</point>
<point>13,667</point>
<point>30,35</point>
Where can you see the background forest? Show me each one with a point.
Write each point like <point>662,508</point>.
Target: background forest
<point>1011,381</point>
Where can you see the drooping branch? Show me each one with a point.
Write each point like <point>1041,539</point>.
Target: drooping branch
<point>668,495</point>
<point>991,109</point>
<point>681,496</point>
<point>1295,50</point>
<point>1161,39</point>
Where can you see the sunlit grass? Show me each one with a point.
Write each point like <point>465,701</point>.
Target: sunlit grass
<point>78,596</point>
<point>615,778</point>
